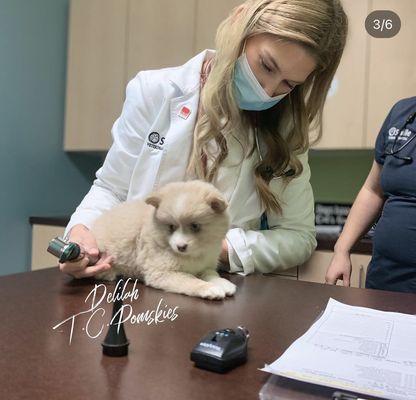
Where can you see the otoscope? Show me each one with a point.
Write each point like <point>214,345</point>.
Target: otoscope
<point>68,251</point>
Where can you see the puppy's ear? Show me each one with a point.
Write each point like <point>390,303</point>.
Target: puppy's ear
<point>153,200</point>
<point>217,204</point>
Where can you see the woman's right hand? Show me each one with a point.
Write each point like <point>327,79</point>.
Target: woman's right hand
<point>93,262</point>
<point>339,268</point>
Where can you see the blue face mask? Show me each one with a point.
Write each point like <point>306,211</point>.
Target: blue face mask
<point>249,93</point>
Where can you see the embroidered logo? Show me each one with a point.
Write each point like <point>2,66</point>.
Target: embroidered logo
<point>155,141</point>
<point>393,132</point>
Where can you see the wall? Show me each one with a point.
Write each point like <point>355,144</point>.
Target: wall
<point>36,176</point>
<point>337,175</point>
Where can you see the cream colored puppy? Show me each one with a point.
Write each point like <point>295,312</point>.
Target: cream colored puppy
<point>171,241</point>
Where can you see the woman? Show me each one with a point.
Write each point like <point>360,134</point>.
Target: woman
<point>239,118</point>
<point>390,189</point>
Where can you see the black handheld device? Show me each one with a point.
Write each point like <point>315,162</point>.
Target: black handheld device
<point>221,350</point>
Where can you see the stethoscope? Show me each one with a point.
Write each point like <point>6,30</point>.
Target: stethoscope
<point>289,172</point>
<point>392,152</point>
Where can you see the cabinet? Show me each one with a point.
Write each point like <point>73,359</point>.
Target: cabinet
<point>95,72</point>
<point>314,269</point>
<point>392,66</point>
<point>160,34</point>
<point>344,111</point>
<point>209,14</point>
<point>109,41</point>
<point>41,236</point>
<point>373,75</point>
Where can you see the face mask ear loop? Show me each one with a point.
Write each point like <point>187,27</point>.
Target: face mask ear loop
<point>242,51</point>
<point>256,124</point>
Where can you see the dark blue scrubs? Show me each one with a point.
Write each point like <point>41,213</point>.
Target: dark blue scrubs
<point>393,265</point>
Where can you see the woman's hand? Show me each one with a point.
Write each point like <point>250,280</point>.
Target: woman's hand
<point>93,262</point>
<point>224,253</point>
<point>339,268</point>
<point>365,210</point>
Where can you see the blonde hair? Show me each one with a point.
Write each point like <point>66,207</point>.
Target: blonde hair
<point>320,26</point>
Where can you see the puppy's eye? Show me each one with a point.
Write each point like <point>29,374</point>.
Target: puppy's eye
<point>172,228</point>
<point>195,227</point>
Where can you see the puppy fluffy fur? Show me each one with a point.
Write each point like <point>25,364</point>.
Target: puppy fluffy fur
<point>171,241</point>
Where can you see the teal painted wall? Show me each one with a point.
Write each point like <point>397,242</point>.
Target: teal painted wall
<point>36,176</point>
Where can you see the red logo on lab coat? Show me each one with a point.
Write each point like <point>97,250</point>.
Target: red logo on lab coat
<point>185,112</point>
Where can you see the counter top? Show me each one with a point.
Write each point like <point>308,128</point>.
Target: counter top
<point>37,361</point>
<point>49,220</point>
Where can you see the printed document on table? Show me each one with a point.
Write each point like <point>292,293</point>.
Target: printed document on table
<point>358,349</point>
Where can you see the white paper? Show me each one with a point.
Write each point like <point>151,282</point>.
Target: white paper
<point>358,349</point>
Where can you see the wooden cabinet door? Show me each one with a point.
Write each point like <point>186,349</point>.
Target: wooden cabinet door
<point>392,71</point>
<point>41,236</point>
<point>160,34</point>
<point>314,269</point>
<point>209,14</point>
<point>344,111</point>
<point>95,72</point>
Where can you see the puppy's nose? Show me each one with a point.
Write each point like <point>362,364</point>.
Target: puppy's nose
<point>182,247</point>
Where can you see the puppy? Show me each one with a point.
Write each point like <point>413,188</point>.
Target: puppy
<point>171,241</point>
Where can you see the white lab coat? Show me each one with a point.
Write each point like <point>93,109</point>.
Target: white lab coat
<point>139,162</point>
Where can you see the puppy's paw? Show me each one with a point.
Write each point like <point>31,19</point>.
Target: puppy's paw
<point>106,276</point>
<point>212,292</point>
<point>228,287</point>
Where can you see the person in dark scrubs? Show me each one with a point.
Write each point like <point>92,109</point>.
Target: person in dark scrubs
<point>389,194</point>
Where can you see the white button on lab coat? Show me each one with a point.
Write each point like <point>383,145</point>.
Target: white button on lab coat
<point>152,141</point>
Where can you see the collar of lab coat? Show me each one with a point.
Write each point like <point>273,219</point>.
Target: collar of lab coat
<point>186,78</point>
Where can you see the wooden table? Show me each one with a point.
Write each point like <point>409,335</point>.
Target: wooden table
<point>37,362</point>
